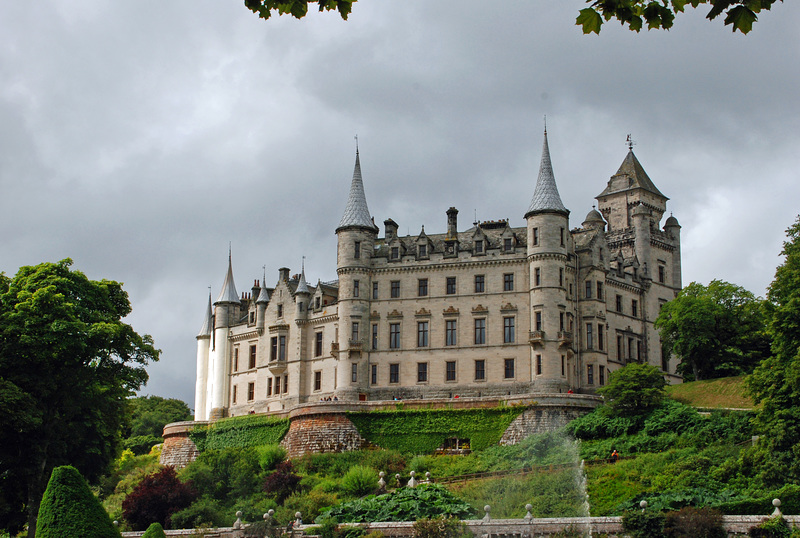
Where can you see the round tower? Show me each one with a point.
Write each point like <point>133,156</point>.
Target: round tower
<point>203,349</point>
<point>261,304</point>
<point>356,236</point>
<point>672,227</point>
<point>641,224</point>
<point>548,239</point>
<point>226,309</point>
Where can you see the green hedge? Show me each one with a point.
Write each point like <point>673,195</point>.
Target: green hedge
<point>423,431</point>
<point>240,432</point>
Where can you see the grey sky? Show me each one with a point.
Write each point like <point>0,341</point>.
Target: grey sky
<point>141,138</point>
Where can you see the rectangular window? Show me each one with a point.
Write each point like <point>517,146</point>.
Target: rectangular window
<point>354,331</point>
<point>480,370</point>
<point>273,348</point>
<point>236,359</point>
<point>562,236</point>
<point>450,332</point>
<point>234,393</point>
<point>588,289</point>
<point>537,321</point>
<point>251,392</point>
<point>450,371</point>
<point>601,371</point>
<point>277,385</point>
<point>634,308</point>
<point>356,286</point>
<point>563,365</point>
<point>451,285</point>
<point>281,348</point>
<point>269,386</point>
<point>317,381</point>
<point>560,277</point>
<point>631,351</point>
<point>537,277</point>
<point>507,244</point>
<point>479,283</point>
<point>394,373</point>
<point>422,372</point>
<point>286,383</point>
<point>508,330</point>
<point>589,339</point>
<point>252,362</point>
<point>394,336</point>
<point>508,368</point>
<point>316,302</point>
<point>422,334</point>
<point>395,289</point>
<point>508,282</point>
<point>374,290</point>
<point>354,373</point>
<point>395,253</point>
<point>478,246</point>
<point>599,290</point>
<point>561,321</point>
<point>600,343</point>
<point>374,336</point>
<point>590,374</point>
<point>480,331</point>
<point>252,317</point>
<point>422,251</point>
<point>618,305</point>
<point>357,250</point>
<point>373,375</point>
<point>661,274</point>
<point>317,344</point>
<point>422,287</point>
<point>536,236</point>
<point>620,349</point>
<point>538,365</point>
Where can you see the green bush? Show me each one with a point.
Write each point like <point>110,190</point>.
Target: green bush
<point>204,511</point>
<point>154,531</point>
<point>360,480</point>
<point>441,527</point>
<point>270,455</point>
<point>690,522</point>
<point>643,524</point>
<point>69,508</point>
<point>774,527</point>
<point>141,444</point>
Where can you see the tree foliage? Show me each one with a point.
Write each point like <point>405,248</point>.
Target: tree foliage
<point>297,8</point>
<point>717,330</point>
<point>634,389</point>
<point>67,364</point>
<point>739,14</point>
<point>149,414</point>
<point>156,498</point>
<point>775,383</point>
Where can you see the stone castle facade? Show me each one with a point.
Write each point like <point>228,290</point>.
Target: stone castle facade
<point>489,311</point>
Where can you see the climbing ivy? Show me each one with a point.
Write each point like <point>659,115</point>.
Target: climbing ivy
<point>422,431</point>
<point>244,431</point>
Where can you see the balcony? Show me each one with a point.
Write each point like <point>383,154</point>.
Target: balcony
<point>564,338</point>
<point>354,347</point>
<point>277,367</point>
<point>536,337</point>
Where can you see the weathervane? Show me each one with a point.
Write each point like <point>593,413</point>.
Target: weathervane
<point>630,142</point>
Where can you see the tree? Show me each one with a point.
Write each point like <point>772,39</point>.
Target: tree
<point>297,8</point>
<point>775,383</point>
<point>717,330</point>
<point>634,389</point>
<point>67,363</point>
<point>147,416</point>
<point>156,498</point>
<point>740,14</point>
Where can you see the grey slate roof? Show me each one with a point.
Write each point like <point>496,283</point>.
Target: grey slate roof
<point>546,197</point>
<point>228,293</point>
<point>638,178</point>
<point>356,213</point>
<point>302,285</point>
<point>263,294</point>
<point>208,322</point>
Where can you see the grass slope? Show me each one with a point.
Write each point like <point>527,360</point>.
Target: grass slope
<point>727,392</point>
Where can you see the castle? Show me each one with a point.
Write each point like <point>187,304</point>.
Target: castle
<point>489,311</point>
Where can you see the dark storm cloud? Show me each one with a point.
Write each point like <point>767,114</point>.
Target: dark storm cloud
<point>141,139</point>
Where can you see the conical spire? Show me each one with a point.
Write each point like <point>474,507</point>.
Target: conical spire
<point>228,293</point>
<point>263,293</point>
<point>302,286</point>
<point>356,213</point>
<point>546,197</point>
<point>208,322</point>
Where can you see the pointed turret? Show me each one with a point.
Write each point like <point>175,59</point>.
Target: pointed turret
<point>545,196</point>
<point>203,351</point>
<point>208,322</point>
<point>263,292</point>
<point>356,213</point>
<point>302,286</point>
<point>228,293</point>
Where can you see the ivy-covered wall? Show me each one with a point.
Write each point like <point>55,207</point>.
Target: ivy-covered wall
<point>247,430</point>
<point>422,431</point>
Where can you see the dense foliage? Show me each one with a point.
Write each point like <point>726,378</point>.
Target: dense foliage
<point>423,431</point>
<point>154,531</point>
<point>695,523</point>
<point>70,510</point>
<point>156,498</point>
<point>441,527</point>
<point>238,432</point>
<point>634,389</point>
<point>717,330</point>
<point>67,365</point>
<point>146,418</point>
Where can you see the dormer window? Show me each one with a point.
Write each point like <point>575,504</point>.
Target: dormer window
<point>507,244</point>
<point>422,251</point>
<point>395,253</point>
<point>316,302</point>
<point>478,246</point>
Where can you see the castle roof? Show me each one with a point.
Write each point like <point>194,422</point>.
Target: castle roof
<point>302,285</point>
<point>545,196</point>
<point>263,294</point>
<point>208,322</point>
<point>637,178</point>
<point>356,213</point>
<point>228,293</point>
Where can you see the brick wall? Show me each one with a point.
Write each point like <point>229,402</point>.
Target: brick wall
<point>323,432</point>
<point>178,450</point>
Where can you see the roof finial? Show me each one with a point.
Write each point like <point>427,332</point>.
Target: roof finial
<point>303,264</point>
<point>356,137</point>
<point>545,124</point>
<point>630,142</point>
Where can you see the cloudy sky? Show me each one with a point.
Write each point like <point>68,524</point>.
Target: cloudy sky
<point>142,138</point>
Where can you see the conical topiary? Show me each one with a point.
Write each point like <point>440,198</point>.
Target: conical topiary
<point>154,531</point>
<point>70,510</point>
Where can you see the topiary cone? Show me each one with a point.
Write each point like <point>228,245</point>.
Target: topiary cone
<point>70,510</point>
<point>154,531</point>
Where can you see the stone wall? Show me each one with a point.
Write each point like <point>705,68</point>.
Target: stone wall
<point>178,450</point>
<point>314,432</point>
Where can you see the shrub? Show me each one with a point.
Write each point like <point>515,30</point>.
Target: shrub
<point>69,508</point>
<point>441,527</point>
<point>773,527</point>
<point>282,482</point>
<point>141,444</point>
<point>360,480</point>
<point>644,524</point>
<point>204,511</point>
<point>154,531</point>
<point>156,498</point>
<point>634,389</point>
<point>310,505</point>
<point>270,455</point>
<point>690,522</point>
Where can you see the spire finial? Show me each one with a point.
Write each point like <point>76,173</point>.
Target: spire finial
<point>356,137</point>
<point>545,124</point>
<point>630,142</point>
<point>303,264</point>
